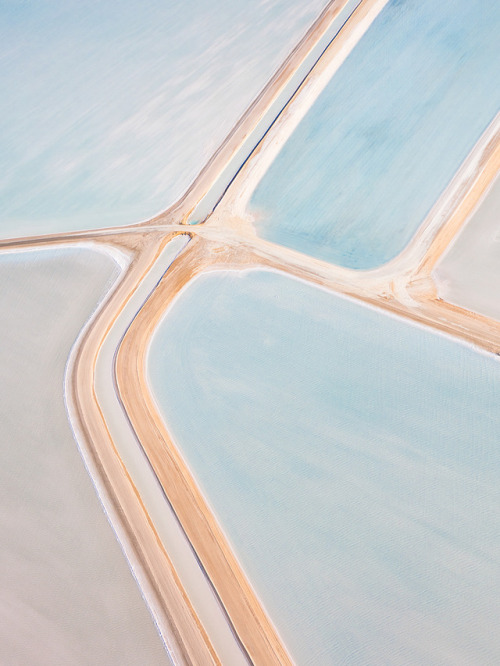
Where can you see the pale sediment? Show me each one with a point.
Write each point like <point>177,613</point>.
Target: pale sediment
<point>468,274</point>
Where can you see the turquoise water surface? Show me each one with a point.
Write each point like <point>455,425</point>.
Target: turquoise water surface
<point>352,460</point>
<point>364,167</point>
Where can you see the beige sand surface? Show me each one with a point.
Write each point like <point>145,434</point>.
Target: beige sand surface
<point>196,585</point>
<point>172,609</point>
<point>244,610</point>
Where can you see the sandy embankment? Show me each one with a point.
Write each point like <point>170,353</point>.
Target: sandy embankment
<point>196,585</point>
<point>129,516</point>
<point>404,285</point>
<point>250,621</point>
<point>483,171</point>
<point>57,548</point>
<point>420,282</point>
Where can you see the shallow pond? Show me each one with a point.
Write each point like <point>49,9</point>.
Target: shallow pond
<point>352,460</point>
<point>365,165</point>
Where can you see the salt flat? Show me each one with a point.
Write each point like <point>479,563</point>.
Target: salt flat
<point>109,111</point>
<point>68,596</point>
<point>468,275</point>
<point>352,460</point>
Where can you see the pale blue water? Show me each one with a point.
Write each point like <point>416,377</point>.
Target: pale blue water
<point>366,164</point>
<point>352,460</point>
<point>108,110</point>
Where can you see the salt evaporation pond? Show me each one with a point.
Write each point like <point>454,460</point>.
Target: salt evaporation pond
<point>352,460</point>
<point>68,596</point>
<point>364,167</point>
<point>110,110</point>
<point>468,275</point>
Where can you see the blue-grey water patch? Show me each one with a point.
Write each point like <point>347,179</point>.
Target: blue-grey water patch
<point>352,460</point>
<point>364,167</point>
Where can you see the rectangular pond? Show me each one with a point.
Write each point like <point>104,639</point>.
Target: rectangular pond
<point>352,460</point>
<point>363,168</point>
<point>468,275</point>
<point>68,596</point>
